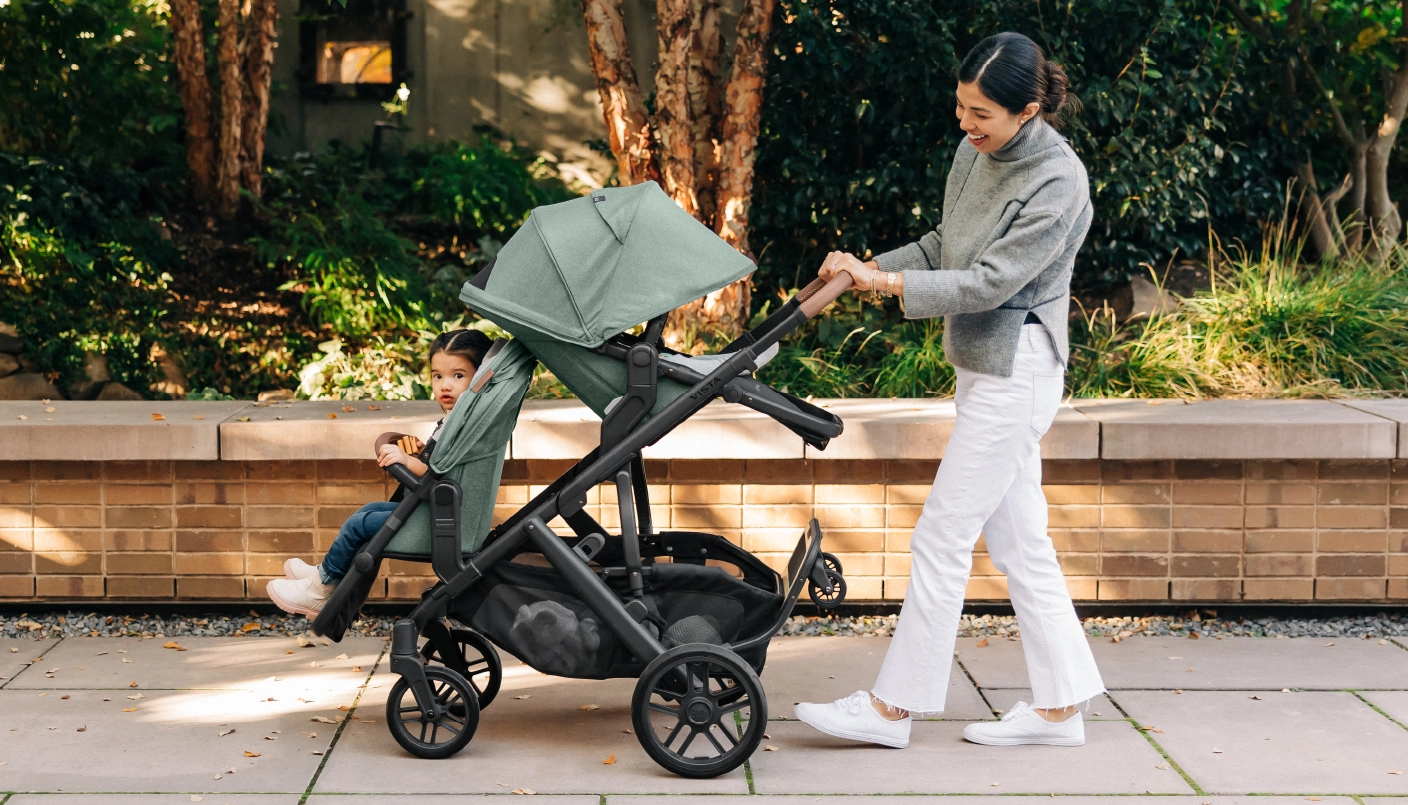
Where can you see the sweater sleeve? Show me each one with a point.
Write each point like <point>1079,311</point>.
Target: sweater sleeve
<point>1035,237</point>
<point>922,255</point>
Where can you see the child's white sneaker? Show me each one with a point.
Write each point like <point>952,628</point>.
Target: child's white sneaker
<point>296,568</point>
<point>300,596</point>
<point>854,718</point>
<point>1024,725</point>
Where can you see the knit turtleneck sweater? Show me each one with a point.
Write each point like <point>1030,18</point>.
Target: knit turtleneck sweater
<point>1012,223</point>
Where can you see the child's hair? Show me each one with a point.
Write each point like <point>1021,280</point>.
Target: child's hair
<point>471,345</point>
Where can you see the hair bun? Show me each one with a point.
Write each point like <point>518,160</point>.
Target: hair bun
<point>1057,88</point>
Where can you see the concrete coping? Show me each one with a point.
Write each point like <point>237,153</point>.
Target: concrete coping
<point>566,429</point>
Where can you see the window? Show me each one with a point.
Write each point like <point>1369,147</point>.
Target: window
<point>353,52</point>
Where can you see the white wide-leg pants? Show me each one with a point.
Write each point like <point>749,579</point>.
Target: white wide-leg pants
<point>989,483</point>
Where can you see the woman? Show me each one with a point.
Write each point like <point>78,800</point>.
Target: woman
<point>998,268</point>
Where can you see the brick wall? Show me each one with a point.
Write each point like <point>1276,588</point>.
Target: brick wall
<point>1125,530</point>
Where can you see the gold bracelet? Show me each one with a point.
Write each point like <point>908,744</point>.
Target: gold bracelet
<point>874,292</point>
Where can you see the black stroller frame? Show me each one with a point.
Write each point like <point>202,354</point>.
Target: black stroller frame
<point>705,687</point>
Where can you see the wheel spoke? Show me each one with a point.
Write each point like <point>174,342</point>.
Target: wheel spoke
<point>726,733</point>
<point>684,746</point>
<point>423,725</point>
<point>708,733</point>
<point>669,739</point>
<point>666,709</point>
<point>434,730</point>
<point>736,706</point>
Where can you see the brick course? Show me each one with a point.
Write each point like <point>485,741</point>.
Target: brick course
<point>1124,530</point>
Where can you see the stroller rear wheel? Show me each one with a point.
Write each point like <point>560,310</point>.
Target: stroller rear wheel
<point>470,654</point>
<point>424,736</point>
<point>699,710</point>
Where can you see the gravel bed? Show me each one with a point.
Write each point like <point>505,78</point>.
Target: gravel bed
<point>1202,624</point>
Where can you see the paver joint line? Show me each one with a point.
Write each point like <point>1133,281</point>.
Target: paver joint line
<point>1379,710</point>
<point>7,682</point>
<point>959,662</point>
<point>342,725</point>
<point>1187,778</point>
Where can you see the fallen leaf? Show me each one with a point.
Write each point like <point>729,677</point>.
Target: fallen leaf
<point>524,696</point>
<point>1255,698</point>
<point>344,708</point>
<point>248,753</point>
<point>589,707</point>
<point>1331,643</point>
<point>1190,669</point>
<point>770,748</point>
<point>331,415</point>
<point>65,696</point>
<point>239,419</point>
<point>310,734</point>
<point>133,685</point>
<point>136,696</point>
<point>1175,658</point>
<point>983,643</point>
<point>250,627</point>
<point>304,641</point>
<point>158,417</point>
<point>525,791</point>
<point>21,416</point>
<point>218,776</point>
<point>1285,690</point>
<point>290,651</point>
<point>1217,751</point>
<point>1314,799</point>
<point>82,729</point>
<point>1162,767</point>
<point>323,720</point>
<point>630,731</point>
<point>124,659</point>
<point>195,798</point>
<point>1180,690</point>
<point>223,733</point>
<point>1395,772</point>
<point>356,668</point>
<point>373,408</point>
<point>609,761</point>
<point>340,657</point>
<point>172,644</point>
<point>49,409</point>
<point>1194,636</point>
<point>317,752</point>
<point>271,737</point>
<point>1383,642</point>
<point>197,416</point>
<point>994,784</point>
<point>129,709</point>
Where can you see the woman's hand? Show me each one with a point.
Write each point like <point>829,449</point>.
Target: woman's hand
<point>864,276</point>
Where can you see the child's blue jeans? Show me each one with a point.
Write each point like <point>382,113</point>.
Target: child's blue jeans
<point>356,532</point>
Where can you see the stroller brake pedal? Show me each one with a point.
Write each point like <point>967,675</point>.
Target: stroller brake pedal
<point>589,546</point>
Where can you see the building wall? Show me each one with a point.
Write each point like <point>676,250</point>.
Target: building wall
<point>1155,530</point>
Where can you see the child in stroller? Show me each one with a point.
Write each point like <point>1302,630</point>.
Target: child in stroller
<point>455,357</point>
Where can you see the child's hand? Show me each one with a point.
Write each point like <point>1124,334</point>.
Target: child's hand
<point>391,454</point>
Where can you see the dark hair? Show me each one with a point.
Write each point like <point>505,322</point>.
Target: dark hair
<point>1011,69</point>
<point>468,344</point>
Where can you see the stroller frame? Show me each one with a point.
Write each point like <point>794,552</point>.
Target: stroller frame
<point>442,696</point>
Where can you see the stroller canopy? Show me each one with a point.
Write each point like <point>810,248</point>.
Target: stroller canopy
<point>584,270</point>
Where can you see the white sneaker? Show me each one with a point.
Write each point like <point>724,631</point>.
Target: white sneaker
<point>296,568</point>
<point>300,596</point>
<point>854,718</point>
<point>1023,725</point>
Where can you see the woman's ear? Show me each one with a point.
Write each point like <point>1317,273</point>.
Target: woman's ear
<point>1031,111</point>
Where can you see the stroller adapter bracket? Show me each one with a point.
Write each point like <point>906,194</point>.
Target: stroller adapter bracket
<point>446,559</point>
<point>589,546</point>
<point>407,663</point>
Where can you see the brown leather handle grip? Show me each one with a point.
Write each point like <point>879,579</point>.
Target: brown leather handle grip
<point>820,294</point>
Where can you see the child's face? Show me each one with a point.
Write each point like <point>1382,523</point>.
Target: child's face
<point>449,377</point>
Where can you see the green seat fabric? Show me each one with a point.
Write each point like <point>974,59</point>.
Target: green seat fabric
<point>595,379</point>
<point>581,271</point>
<point>470,450</point>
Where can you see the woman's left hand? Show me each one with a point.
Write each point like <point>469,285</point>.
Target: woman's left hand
<point>836,262</point>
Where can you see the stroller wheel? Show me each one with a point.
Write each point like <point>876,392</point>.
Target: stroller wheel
<point>699,710</point>
<point>832,563</point>
<point>838,590</point>
<point>433,738</point>
<point>469,653</point>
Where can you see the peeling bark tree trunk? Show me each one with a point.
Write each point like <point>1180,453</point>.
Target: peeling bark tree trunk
<point>726,310</point>
<point>227,175</point>
<point>260,32</point>
<point>195,97</point>
<point>672,119</point>
<point>628,129</point>
<point>705,100</point>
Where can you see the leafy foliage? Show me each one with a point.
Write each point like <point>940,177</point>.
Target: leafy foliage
<point>857,137</point>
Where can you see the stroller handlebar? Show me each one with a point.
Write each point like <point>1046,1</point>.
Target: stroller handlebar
<point>815,297</point>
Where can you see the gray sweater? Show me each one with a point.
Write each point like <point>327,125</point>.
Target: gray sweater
<point>1012,223</point>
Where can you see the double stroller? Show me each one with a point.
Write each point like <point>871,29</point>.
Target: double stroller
<point>687,614</point>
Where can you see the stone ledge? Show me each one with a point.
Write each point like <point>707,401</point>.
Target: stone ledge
<point>905,429</point>
<point>113,431</point>
<point>1238,429</point>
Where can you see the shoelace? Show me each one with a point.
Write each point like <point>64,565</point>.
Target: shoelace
<point>1018,709</point>
<point>854,702</point>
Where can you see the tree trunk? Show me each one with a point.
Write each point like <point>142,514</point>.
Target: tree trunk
<point>1353,228</point>
<point>261,29</point>
<point>1384,220</point>
<point>705,102</point>
<point>725,311</point>
<point>227,174</point>
<point>1313,213</point>
<point>672,119</point>
<point>628,129</point>
<point>195,97</point>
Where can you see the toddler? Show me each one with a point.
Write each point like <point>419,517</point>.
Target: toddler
<point>454,358</point>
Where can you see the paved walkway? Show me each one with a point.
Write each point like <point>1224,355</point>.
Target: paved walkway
<point>264,721</point>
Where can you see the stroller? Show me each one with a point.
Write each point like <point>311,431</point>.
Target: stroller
<point>687,614</point>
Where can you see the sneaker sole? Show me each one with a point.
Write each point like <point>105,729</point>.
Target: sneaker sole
<point>290,608</point>
<point>1026,741</point>
<point>853,736</point>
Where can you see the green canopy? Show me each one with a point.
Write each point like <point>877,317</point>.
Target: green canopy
<point>587,269</point>
<point>470,447</point>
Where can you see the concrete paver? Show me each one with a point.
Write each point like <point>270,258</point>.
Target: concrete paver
<point>1004,698</point>
<point>171,742</point>
<point>812,669</point>
<point>153,799</point>
<point>443,799</point>
<point>982,800</point>
<point>1287,743</point>
<point>1308,663</point>
<point>1114,760</point>
<point>207,663</point>
<point>15,654</point>
<point>1393,702</point>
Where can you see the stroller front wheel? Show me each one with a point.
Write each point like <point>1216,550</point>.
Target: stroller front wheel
<point>423,736</point>
<point>699,710</point>
<point>469,653</point>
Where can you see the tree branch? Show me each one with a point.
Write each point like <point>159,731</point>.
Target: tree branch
<point>1248,21</point>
